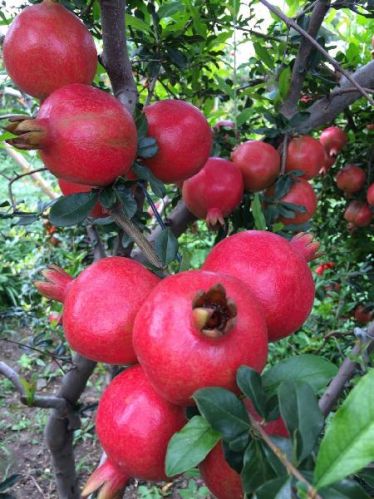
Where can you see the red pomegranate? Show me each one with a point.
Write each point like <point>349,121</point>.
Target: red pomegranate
<point>84,135</point>
<point>259,163</point>
<point>68,188</point>
<point>214,192</point>
<point>109,478</point>
<point>195,329</point>
<point>302,194</point>
<point>321,269</point>
<point>329,161</point>
<point>370,194</point>
<point>100,306</point>
<point>47,47</point>
<point>333,140</point>
<point>275,270</point>
<point>305,154</point>
<point>358,214</point>
<point>184,139</point>
<point>350,179</point>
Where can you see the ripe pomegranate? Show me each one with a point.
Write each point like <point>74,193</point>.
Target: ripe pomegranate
<point>370,194</point>
<point>134,425</point>
<point>259,163</point>
<point>195,329</point>
<point>333,140</point>
<point>350,179</point>
<point>275,270</point>
<point>214,192</point>
<point>305,154</point>
<point>302,194</point>
<point>100,306</point>
<point>329,161</point>
<point>47,47</point>
<point>68,188</point>
<point>184,139</point>
<point>363,314</point>
<point>85,135</point>
<point>358,214</point>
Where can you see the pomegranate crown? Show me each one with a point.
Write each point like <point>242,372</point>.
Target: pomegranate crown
<point>109,479</point>
<point>305,244</point>
<point>56,284</point>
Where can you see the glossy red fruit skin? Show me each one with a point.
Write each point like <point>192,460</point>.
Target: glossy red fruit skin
<point>305,154</point>
<point>370,195</point>
<point>259,163</point>
<point>183,136</point>
<point>333,140</point>
<point>358,214</point>
<point>100,308</point>
<point>177,357</point>
<point>47,47</point>
<point>134,425</point>
<point>90,137</point>
<point>350,179</point>
<point>68,188</point>
<point>276,273</point>
<point>215,191</point>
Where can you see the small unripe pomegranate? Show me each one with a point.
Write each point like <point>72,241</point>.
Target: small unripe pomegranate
<point>350,179</point>
<point>68,188</point>
<point>183,136</point>
<point>214,192</point>
<point>195,329</point>
<point>84,135</point>
<point>333,140</point>
<point>370,194</point>
<point>305,154</point>
<point>100,306</point>
<point>275,270</point>
<point>47,47</point>
<point>259,163</point>
<point>358,214</point>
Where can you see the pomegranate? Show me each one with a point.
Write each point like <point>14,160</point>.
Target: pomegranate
<point>184,139</point>
<point>109,478</point>
<point>259,163</point>
<point>100,306</point>
<point>275,270</point>
<point>214,192</point>
<point>358,214</point>
<point>370,194</point>
<point>333,140</point>
<point>350,179</point>
<point>305,154</point>
<point>321,269</point>
<point>85,135</point>
<point>363,314</point>
<point>329,161</point>
<point>195,329</point>
<point>68,188</point>
<point>47,47</point>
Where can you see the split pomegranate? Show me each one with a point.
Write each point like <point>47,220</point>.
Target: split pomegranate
<point>350,179</point>
<point>259,163</point>
<point>214,192</point>
<point>68,188</point>
<point>333,140</point>
<point>195,329</point>
<point>184,139</point>
<point>305,154</point>
<point>47,47</point>
<point>100,306</point>
<point>358,214</point>
<point>275,270</point>
<point>84,135</point>
<point>370,195</point>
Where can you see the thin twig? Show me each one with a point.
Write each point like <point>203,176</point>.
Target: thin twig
<point>96,243</point>
<point>10,185</point>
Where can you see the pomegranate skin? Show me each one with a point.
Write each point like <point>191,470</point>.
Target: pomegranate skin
<point>215,191</point>
<point>305,154</point>
<point>100,308</point>
<point>333,140</point>
<point>134,425</point>
<point>90,137</point>
<point>177,356</point>
<point>277,274</point>
<point>259,163</point>
<point>68,188</point>
<point>183,136</point>
<point>47,47</point>
<point>359,214</point>
<point>370,195</point>
<point>350,179</point>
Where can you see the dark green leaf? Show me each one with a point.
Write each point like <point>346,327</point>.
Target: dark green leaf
<point>346,489</point>
<point>107,197</point>
<point>177,57</point>
<point>145,174</point>
<point>264,55</point>
<point>166,246</point>
<point>73,209</point>
<point>256,468</point>
<point>9,482</point>
<point>141,125</point>
<point>126,198</point>
<point>170,8</point>
<point>234,458</point>
<point>147,147</point>
<point>250,383</point>
<point>27,219</point>
<point>258,215</point>
<point>275,489</point>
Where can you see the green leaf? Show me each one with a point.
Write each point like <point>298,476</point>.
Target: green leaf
<point>348,444</point>
<point>243,116</point>
<point>145,174</point>
<point>9,482</point>
<point>263,54</point>
<point>223,410</point>
<point>166,246</point>
<point>168,9</point>
<point>250,383</point>
<point>258,215</point>
<point>29,389</point>
<point>314,370</point>
<point>346,489</point>
<point>275,489</point>
<point>73,209</point>
<point>303,418</point>
<point>189,446</point>
<point>107,197</point>
<point>256,468</point>
<point>147,147</point>
<point>284,82</point>
<point>137,23</point>
<point>126,198</point>
<point>177,57</point>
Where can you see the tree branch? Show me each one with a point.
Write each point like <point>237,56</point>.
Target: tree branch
<point>96,243</point>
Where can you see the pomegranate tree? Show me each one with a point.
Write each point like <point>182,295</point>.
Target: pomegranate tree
<point>306,154</point>
<point>333,140</point>
<point>350,179</point>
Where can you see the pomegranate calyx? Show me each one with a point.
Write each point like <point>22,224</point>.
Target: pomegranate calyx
<point>56,284</point>
<point>109,479</point>
<point>305,244</point>
<point>30,133</point>
<point>214,219</point>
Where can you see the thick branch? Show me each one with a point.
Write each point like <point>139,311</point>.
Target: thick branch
<point>115,55</point>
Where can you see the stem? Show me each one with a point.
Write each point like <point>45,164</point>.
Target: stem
<point>10,185</point>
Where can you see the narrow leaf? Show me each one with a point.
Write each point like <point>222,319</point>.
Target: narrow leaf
<point>258,215</point>
<point>166,246</point>
<point>250,383</point>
